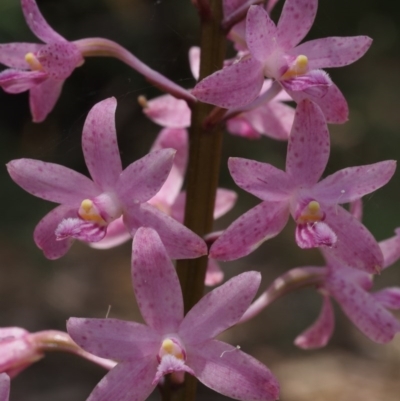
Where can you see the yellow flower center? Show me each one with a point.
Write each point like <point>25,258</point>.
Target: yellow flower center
<point>299,67</point>
<point>89,212</point>
<point>169,347</point>
<point>311,213</point>
<point>33,62</point>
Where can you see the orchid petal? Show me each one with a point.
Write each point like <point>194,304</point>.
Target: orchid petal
<point>17,81</point>
<point>119,383</point>
<point>180,242</point>
<point>333,104</point>
<point>391,250</point>
<point>13,54</point>
<point>224,202</point>
<point>52,182</point>
<point>4,387</point>
<point>38,24</point>
<point>219,309</point>
<point>270,5</point>
<point>155,282</point>
<point>241,126</point>
<point>194,61</point>
<point>389,297</point>
<point>355,246</point>
<point>214,273</point>
<point>295,21</point>
<point>234,86</point>
<point>99,144</point>
<point>229,6</point>
<point>318,335</point>
<point>43,97</point>
<point>114,339</point>
<point>352,183</point>
<point>333,51</point>
<point>261,33</point>
<point>261,179</point>
<point>309,145</point>
<point>250,230</point>
<point>368,315</point>
<point>231,372</point>
<point>44,234</point>
<point>142,179</point>
<point>116,235</point>
<point>168,111</point>
<point>7,333</point>
<point>356,209</point>
<point>314,235</point>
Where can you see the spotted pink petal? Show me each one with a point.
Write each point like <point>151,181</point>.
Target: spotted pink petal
<point>389,297</point>
<point>114,339</point>
<point>44,234</point>
<point>142,179</point>
<point>180,242</point>
<point>295,21</point>
<point>231,372</point>
<point>43,97</point>
<point>261,179</point>
<point>391,250</point>
<point>219,309</point>
<point>214,273</point>
<point>224,202</point>
<point>333,51</point>
<point>261,33</point>
<point>17,81</point>
<point>52,182</point>
<point>38,24</point>
<point>99,144</point>
<point>320,332</point>
<point>250,230</point>
<point>234,86</point>
<point>13,54</point>
<point>155,282</point>
<point>309,145</point>
<point>4,387</point>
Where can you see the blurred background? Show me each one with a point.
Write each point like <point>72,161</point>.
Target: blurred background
<point>38,294</point>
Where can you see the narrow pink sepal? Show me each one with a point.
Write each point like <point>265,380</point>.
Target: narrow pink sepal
<point>356,246</point>
<point>142,179</point>
<point>388,297</point>
<point>38,24</point>
<point>308,146</point>
<point>318,335</point>
<point>51,181</point>
<point>80,229</point>
<point>333,51</point>
<point>180,242</point>
<point>261,179</point>
<point>231,372</point>
<point>214,273</point>
<point>194,61</point>
<point>4,387</point>
<point>99,144</point>
<point>114,339</point>
<point>168,111</point>
<point>225,199</point>
<point>233,86</point>
<point>295,21</point>
<point>368,315</point>
<point>43,97</point>
<point>353,183</point>
<point>219,309</point>
<point>44,234</point>
<point>390,249</point>
<point>261,33</point>
<point>155,282</point>
<point>250,230</point>
<point>13,54</point>
<point>17,81</point>
<point>119,383</point>
<point>116,235</point>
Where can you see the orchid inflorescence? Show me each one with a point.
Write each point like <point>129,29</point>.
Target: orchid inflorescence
<point>145,202</point>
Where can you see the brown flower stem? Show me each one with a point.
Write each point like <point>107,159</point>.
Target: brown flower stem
<point>203,171</point>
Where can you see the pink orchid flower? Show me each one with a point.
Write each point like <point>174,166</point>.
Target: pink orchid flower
<point>88,207</point>
<point>270,118</point>
<point>170,200</point>
<point>170,342</point>
<point>313,205</point>
<point>39,68</point>
<point>273,53</point>
<point>4,387</point>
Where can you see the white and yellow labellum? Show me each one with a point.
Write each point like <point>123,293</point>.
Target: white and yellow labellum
<point>169,347</point>
<point>311,213</point>
<point>89,212</point>
<point>33,62</point>
<point>299,67</point>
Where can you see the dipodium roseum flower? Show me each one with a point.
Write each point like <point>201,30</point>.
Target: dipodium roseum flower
<point>4,387</point>
<point>273,53</point>
<point>88,207</point>
<point>313,205</point>
<point>39,68</point>
<point>170,342</point>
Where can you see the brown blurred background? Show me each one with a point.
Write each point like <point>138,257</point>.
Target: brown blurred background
<point>38,294</point>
